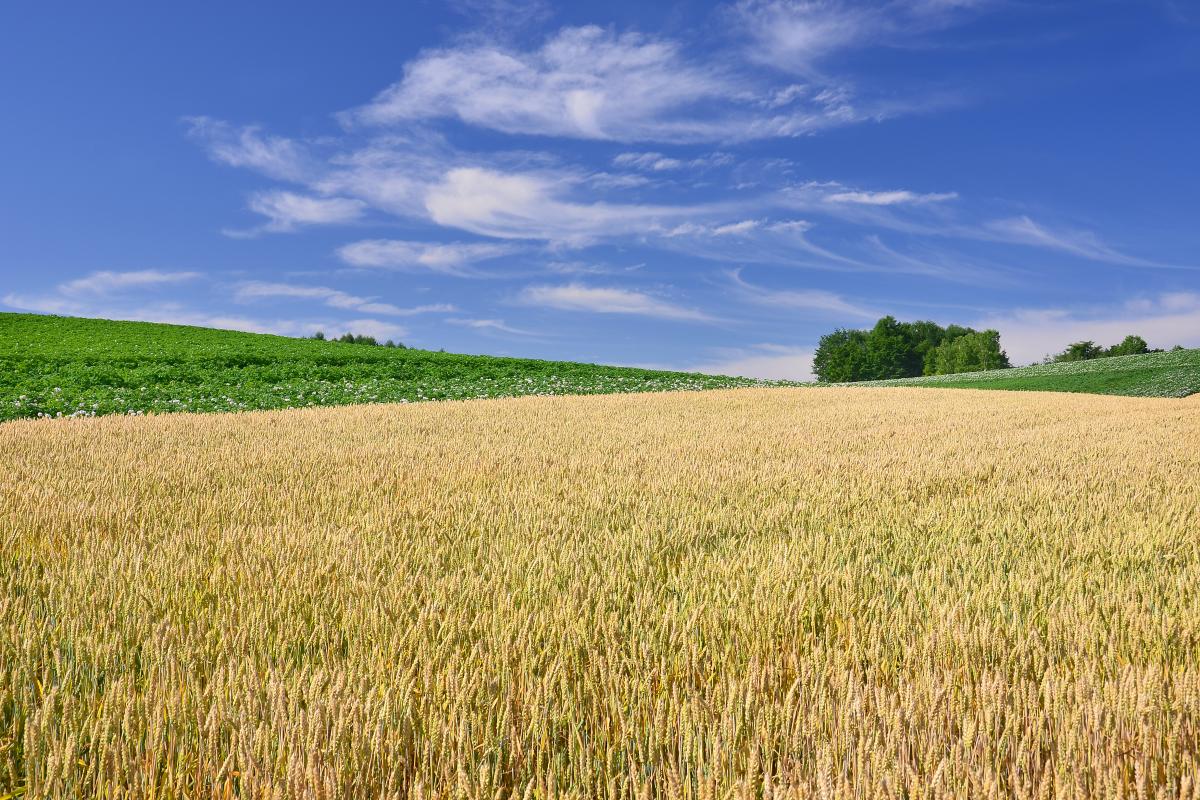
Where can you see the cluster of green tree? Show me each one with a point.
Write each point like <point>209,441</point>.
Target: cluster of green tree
<point>1085,351</point>
<point>894,349</point>
<point>356,338</point>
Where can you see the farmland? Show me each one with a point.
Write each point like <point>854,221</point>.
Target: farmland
<point>747,593</point>
<point>64,366</point>
<point>1172,374</point>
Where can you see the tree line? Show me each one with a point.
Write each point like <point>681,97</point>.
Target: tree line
<point>1086,351</point>
<point>357,338</point>
<point>893,349</point>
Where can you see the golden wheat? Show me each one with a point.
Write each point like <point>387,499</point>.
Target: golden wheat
<point>753,593</point>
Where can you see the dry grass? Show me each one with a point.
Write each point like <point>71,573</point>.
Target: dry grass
<point>763,593</point>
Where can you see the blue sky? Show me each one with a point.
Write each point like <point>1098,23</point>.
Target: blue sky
<point>688,185</point>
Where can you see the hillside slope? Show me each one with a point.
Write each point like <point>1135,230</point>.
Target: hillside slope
<point>59,366</point>
<point>1172,374</point>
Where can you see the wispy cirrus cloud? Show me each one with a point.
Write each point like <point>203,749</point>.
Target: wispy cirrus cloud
<point>490,325</point>
<point>250,291</point>
<point>657,162</point>
<point>454,258</point>
<point>891,198</point>
<point>536,206</point>
<point>288,211</point>
<point>1085,244</point>
<point>97,290</point>
<point>785,242</point>
<point>813,300</point>
<point>795,35</point>
<point>583,82</point>
<point>421,178</point>
<point>933,214</point>
<point>589,82</point>
<point>608,300</point>
<point>107,281</point>
<point>248,146</point>
<point>862,204</point>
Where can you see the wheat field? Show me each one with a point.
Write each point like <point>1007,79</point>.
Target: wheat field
<point>766,593</point>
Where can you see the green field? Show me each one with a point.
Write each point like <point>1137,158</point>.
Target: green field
<point>63,366</point>
<point>1171,374</point>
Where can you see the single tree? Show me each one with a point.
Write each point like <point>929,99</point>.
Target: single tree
<point>1129,346</point>
<point>1080,351</point>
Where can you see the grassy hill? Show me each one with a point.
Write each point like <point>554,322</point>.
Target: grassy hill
<point>1171,374</point>
<point>59,366</point>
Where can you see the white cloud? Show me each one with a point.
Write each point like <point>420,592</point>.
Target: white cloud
<point>766,361</point>
<point>657,162</point>
<point>490,325</point>
<point>275,156</point>
<point>607,300</point>
<point>857,204</point>
<point>736,228</point>
<point>648,161</point>
<point>105,282</point>
<point>919,214</point>
<point>80,297</point>
<point>391,173</point>
<point>588,268</point>
<point>1023,230</point>
<point>1180,301</point>
<point>612,180</point>
<point>784,242</point>
<point>823,302</point>
<point>531,206</point>
<point>591,83</point>
<point>452,258</point>
<point>793,35</point>
<point>936,263</point>
<point>334,298</point>
<point>692,229</point>
<point>896,197</point>
<point>1164,321</point>
<point>583,82</point>
<point>288,210</point>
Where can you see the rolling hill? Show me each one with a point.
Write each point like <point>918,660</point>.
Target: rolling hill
<point>68,366</point>
<point>64,366</point>
<point>1172,374</point>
